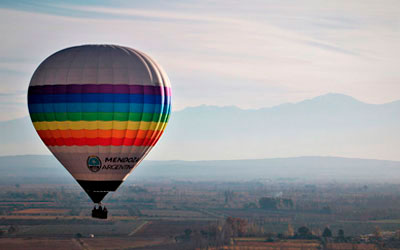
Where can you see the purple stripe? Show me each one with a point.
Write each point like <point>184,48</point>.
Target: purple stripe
<point>100,89</point>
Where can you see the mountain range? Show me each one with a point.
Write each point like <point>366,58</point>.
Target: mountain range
<point>328,125</point>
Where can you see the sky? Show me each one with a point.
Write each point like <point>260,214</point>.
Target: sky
<point>249,54</point>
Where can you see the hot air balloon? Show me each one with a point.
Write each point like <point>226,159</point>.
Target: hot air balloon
<point>99,109</point>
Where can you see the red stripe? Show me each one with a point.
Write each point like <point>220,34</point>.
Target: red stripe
<point>98,142</point>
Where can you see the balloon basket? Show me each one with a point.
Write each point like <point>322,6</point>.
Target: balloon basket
<point>99,213</point>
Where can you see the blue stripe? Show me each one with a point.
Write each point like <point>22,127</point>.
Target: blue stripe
<point>100,98</point>
<point>96,107</point>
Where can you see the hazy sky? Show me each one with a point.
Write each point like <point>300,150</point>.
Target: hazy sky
<point>246,53</point>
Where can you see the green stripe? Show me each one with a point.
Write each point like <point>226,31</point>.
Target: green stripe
<point>98,116</point>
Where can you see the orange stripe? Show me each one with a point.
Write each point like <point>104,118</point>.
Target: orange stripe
<point>96,133</point>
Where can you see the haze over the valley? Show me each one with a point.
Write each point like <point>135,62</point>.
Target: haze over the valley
<point>39,169</point>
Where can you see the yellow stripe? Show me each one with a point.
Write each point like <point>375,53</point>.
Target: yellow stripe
<point>76,125</point>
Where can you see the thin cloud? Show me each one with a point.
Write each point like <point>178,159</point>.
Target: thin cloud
<point>18,97</point>
<point>154,14</point>
<point>16,93</point>
<point>331,48</point>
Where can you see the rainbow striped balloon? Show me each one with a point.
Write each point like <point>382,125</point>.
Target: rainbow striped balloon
<point>99,109</point>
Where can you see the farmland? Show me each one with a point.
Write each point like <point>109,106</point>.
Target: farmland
<point>280,214</point>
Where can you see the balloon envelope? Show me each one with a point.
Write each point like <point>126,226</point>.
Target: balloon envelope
<point>99,109</point>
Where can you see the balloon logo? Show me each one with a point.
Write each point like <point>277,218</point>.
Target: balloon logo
<point>99,109</point>
<point>94,163</point>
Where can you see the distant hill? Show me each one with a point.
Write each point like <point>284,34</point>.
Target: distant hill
<point>332,124</point>
<point>46,169</point>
